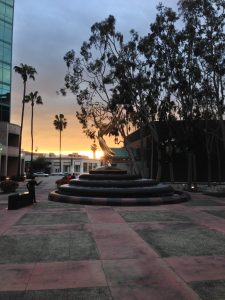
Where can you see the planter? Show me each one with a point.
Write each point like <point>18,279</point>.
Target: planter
<point>8,186</point>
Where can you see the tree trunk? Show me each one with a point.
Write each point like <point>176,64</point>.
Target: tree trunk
<point>21,131</point>
<point>159,168</point>
<point>209,144</point>
<point>32,135</point>
<point>152,157</point>
<point>60,157</point>
<point>159,154</point>
<point>189,170</point>
<point>218,161</point>
<point>171,169</point>
<point>209,169</point>
<point>194,170</point>
<point>222,126</point>
<point>142,152</point>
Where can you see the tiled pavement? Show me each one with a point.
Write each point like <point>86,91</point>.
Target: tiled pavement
<point>63,251</point>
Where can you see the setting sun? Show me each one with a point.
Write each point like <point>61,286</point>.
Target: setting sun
<point>89,153</point>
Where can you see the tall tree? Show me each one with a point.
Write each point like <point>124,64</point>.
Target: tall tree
<point>60,124</point>
<point>203,84</point>
<point>94,75</point>
<point>26,72</point>
<point>33,98</point>
<point>160,49</point>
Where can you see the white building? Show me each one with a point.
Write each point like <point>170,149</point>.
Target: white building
<point>71,163</point>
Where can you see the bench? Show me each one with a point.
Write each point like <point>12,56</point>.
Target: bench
<point>19,200</point>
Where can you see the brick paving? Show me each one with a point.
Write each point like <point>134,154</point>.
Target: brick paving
<point>70,251</point>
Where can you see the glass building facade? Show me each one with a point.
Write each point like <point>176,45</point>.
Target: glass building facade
<point>6,35</point>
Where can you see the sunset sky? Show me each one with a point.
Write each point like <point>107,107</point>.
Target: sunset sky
<point>44,31</point>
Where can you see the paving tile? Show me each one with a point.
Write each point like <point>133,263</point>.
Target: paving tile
<point>198,268</point>
<point>44,229</point>
<point>61,275</point>
<point>53,218</point>
<point>206,219</point>
<point>10,217</point>
<point>210,290</point>
<point>59,294</point>
<point>145,216</point>
<point>218,213</point>
<point>17,295</point>
<point>152,293</point>
<point>116,241</point>
<point>155,225</point>
<point>141,208</point>
<point>185,240</point>
<point>89,294</point>
<point>77,245</point>
<point>139,272</point>
<point>103,215</point>
<point>15,277</point>
<point>204,202</point>
<point>55,205</point>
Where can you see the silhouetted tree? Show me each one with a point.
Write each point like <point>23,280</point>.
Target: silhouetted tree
<point>33,98</point>
<point>26,72</point>
<point>60,124</point>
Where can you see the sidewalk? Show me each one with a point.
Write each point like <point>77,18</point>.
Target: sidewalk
<point>60,251</point>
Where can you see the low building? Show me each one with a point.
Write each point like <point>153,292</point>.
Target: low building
<point>178,142</point>
<point>71,163</point>
<point>122,160</point>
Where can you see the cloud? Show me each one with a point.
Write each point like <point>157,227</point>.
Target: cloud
<point>44,31</point>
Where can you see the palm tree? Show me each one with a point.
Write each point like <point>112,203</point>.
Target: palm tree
<point>60,123</point>
<point>26,72</point>
<point>32,98</point>
<point>93,149</point>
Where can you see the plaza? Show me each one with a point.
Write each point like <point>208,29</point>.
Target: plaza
<point>63,251</point>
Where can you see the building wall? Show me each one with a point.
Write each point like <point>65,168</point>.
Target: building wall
<point>74,165</point>
<point>179,158</point>
<point>70,164</point>
<point>9,148</point>
<point>6,35</point>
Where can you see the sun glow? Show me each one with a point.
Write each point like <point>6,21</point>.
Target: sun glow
<point>89,153</point>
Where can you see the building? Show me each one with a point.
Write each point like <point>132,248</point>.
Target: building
<point>72,163</point>
<point>122,160</point>
<point>184,151</point>
<point>9,133</point>
<point>6,35</point>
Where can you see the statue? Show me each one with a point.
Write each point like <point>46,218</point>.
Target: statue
<point>105,129</point>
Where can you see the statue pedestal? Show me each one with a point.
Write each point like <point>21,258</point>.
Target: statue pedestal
<point>112,186</point>
<point>108,170</point>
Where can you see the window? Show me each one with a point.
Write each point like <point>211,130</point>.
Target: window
<point>77,168</point>
<point>5,52</point>
<point>6,11</point>
<point>4,113</point>
<point>7,2</point>
<point>5,32</point>
<point>5,73</point>
<point>85,167</point>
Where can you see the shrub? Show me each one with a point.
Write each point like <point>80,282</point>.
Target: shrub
<point>8,186</point>
<point>17,178</point>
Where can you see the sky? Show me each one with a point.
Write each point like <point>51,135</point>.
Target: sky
<point>44,31</point>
